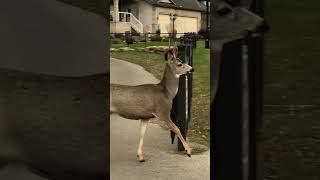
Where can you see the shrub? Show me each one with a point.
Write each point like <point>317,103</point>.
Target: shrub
<point>135,33</point>
<point>156,38</point>
<point>129,40</point>
<point>127,33</point>
<point>158,32</point>
<point>118,35</point>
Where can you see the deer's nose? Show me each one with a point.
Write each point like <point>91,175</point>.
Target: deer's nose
<point>191,70</point>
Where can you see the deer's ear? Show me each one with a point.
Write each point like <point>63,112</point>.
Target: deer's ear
<point>168,56</point>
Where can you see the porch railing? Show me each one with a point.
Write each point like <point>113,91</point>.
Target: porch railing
<point>129,18</point>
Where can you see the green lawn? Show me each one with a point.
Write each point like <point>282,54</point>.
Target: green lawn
<point>154,62</point>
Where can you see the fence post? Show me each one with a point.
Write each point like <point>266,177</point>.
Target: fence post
<point>145,40</point>
<point>181,107</point>
<point>256,57</point>
<point>237,109</point>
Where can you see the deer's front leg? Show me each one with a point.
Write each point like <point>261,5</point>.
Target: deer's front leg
<point>176,130</point>
<point>143,128</point>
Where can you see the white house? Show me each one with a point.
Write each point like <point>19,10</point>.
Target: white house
<point>152,15</point>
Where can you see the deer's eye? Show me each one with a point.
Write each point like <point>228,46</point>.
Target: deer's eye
<point>179,65</point>
<point>224,11</point>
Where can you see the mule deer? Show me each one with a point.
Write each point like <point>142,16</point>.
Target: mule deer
<point>146,101</point>
<point>229,24</point>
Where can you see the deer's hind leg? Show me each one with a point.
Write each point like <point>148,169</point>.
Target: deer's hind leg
<point>143,128</point>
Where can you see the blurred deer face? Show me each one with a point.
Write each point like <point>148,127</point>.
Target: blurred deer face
<point>175,64</point>
<point>233,23</point>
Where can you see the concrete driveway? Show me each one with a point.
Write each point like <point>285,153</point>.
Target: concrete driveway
<point>162,159</point>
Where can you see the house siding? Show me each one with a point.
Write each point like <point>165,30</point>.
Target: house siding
<point>146,15</point>
<point>179,12</point>
<point>119,27</point>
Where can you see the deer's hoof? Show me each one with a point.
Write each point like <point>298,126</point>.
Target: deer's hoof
<point>188,153</point>
<point>141,159</point>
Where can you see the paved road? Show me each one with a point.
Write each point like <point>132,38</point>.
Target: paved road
<point>162,159</point>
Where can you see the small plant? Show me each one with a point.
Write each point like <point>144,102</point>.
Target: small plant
<point>127,33</point>
<point>134,33</point>
<point>156,38</point>
<point>158,32</point>
<point>129,40</point>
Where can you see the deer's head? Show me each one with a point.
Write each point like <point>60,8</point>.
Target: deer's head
<point>232,23</point>
<point>176,66</point>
